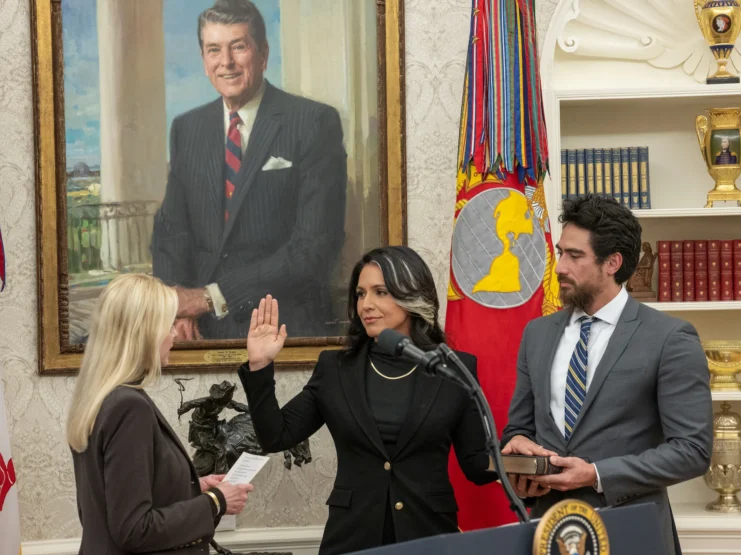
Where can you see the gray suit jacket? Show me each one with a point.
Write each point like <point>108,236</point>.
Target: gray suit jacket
<point>137,489</point>
<point>646,421</point>
<point>285,228</point>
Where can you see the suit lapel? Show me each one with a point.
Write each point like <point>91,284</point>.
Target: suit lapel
<point>352,380</point>
<point>558,324</point>
<point>626,327</point>
<point>267,124</point>
<point>425,391</point>
<point>165,425</point>
<point>214,156</point>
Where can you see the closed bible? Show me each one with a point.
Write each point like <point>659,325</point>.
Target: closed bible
<point>526,464</point>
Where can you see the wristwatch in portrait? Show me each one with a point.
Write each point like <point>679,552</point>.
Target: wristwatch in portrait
<point>209,301</point>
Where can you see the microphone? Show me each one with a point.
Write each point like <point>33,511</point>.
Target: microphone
<point>396,344</point>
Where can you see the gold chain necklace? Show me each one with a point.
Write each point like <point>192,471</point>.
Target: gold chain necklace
<point>389,377</point>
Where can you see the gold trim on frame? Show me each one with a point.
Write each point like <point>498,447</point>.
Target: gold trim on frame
<point>55,356</point>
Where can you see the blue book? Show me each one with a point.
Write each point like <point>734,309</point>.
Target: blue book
<point>589,164</point>
<point>599,183</point>
<point>635,184</point>
<point>625,176</point>
<point>581,180</point>
<point>573,174</point>
<point>607,172</point>
<point>616,175</point>
<point>564,174</point>
<point>644,177</point>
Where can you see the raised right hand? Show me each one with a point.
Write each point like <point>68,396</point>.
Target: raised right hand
<point>266,338</point>
<point>523,486</point>
<point>235,495</point>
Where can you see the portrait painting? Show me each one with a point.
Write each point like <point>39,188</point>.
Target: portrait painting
<point>725,145</point>
<point>232,148</point>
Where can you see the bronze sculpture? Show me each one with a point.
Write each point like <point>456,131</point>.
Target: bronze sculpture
<point>219,442</point>
<point>639,284</point>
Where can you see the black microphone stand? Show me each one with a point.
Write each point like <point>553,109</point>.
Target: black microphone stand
<point>492,441</point>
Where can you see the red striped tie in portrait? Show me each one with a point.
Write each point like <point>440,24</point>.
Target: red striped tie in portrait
<point>233,157</point>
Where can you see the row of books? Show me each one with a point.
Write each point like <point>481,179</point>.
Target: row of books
<point>699,270</point>
<point>621,173</point>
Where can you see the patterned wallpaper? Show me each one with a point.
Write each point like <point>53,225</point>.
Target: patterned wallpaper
<point>436,34</point>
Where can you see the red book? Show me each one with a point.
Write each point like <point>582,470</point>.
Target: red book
<point>726,270</point>
<point>665,271</point>
<point>714,270</point>
<point>701,271</point>
<point>688,271</point>
<point>737,270</point>
<point>677,270</point>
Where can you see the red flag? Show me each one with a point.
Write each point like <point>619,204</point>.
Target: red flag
<point>502,263</point>
<point>10,530</point>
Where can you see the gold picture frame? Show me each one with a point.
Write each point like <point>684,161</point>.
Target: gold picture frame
<point>56,354</point>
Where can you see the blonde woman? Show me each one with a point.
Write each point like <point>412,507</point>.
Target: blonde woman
<point>137,489</point>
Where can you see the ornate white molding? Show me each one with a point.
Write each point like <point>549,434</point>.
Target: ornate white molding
<point>662,33</point>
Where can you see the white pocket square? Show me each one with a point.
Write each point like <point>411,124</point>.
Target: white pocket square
<point>274,163</point>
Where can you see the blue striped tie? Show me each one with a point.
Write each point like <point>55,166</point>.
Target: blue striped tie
<point>576,378</point>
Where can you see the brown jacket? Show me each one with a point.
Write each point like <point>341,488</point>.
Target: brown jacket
<point>137,489</point>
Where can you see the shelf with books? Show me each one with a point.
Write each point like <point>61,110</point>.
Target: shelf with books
<point>676,174</point>
<point>695,306</point>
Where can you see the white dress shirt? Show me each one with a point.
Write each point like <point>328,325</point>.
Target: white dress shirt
<point>247,114</point>
<point>599,335</point>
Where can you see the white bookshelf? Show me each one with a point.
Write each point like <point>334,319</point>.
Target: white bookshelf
<point>727,396</point>
<point>610,80</point>
<point>697,306</point>
<point>714,212</point>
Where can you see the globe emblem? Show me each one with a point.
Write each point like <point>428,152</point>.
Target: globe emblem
<point>499,250</point>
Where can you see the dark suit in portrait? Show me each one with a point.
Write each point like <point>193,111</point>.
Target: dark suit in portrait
<point>285,225</point>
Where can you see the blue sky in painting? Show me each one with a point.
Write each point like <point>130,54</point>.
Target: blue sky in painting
<point>186,83</point>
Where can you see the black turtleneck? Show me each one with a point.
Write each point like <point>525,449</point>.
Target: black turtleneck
<point>389,400</point>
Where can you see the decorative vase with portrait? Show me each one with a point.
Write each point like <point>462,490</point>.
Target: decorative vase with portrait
<point>719,136</point>
<point>720,21</point>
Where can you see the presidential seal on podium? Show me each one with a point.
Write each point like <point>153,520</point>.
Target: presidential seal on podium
<point>571,527</point>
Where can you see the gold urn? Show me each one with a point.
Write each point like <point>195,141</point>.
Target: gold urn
<point>724,475</point>
<point>720,144</point>
<point>720,22</point>
<point>724,363</point>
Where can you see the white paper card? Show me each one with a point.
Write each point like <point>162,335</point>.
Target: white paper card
<point>245,469</point>
<point>228,523</point>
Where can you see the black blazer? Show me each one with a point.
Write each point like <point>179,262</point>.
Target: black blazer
<point>285,228</point>
<point>414,481</point>
<point>137,489</point>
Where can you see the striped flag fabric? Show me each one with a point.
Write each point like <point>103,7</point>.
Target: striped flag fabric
<point>502,266</point>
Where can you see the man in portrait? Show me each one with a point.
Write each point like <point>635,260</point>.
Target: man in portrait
<point>725,156</point>
<point>255,197</point>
